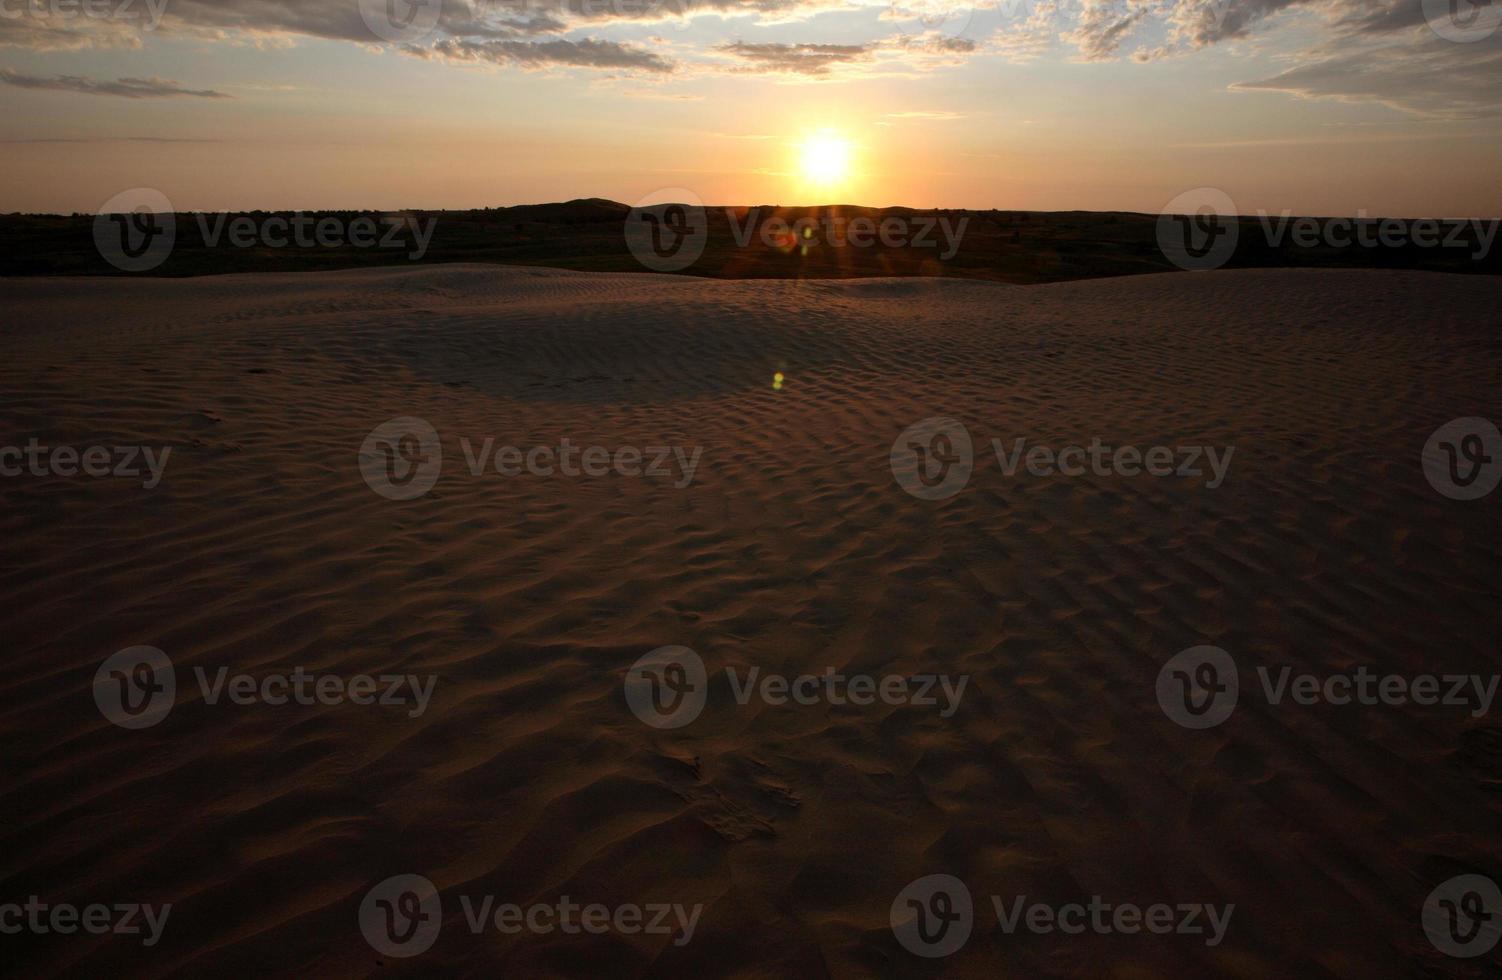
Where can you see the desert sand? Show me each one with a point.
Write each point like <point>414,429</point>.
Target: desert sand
<point>792,549</point>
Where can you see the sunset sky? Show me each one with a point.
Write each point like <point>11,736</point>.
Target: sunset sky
<point>1318,106</point>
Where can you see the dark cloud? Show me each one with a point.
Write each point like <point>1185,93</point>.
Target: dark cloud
<point>533,33</point>
<point>1376,18</point>
<point>1101,27</point>
<point>1430,77</point>
<point>801,59</point>
<point>53,34</point>
<point>130,88</point>
<point>937,44</point>
<point>541,54</point>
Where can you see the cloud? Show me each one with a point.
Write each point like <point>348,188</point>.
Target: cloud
<point>1104,24</point>
<point>933,43</point>
<point>1199,23</point>
<point>1430,77</point>
<point>1377,51</point>
<point>800,59</point>
<point>1029,37</point>
<point>588,53</point>
<point>130,88</point>
<point>42,34</point>
<point>538,34</point>
<point>341,20</point>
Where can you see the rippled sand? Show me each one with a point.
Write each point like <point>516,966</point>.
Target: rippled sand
<point>792,549</point>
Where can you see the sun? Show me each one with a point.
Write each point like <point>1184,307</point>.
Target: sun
<point>825,158</point>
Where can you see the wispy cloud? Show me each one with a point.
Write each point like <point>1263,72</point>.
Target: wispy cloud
<point>799,59</point>
<point>588,53</point>
<point>129,88</point>
<point>1430,78</point>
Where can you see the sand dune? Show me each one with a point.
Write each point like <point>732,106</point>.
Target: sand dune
<point>791,549</point>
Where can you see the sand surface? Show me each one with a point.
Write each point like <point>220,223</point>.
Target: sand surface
<point>792,549</point>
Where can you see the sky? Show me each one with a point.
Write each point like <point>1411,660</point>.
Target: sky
<point>1327,107</point>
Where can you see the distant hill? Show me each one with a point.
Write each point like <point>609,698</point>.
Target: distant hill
<point>590,234</point>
